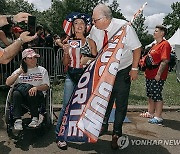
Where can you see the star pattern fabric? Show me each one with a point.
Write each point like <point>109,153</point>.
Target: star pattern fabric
<point>67,24</point>
<point>154,89</point>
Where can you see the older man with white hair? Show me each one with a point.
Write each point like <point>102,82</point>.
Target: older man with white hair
<point>105,27</point>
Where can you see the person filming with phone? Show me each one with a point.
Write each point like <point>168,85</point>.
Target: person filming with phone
<point>7,54</point>
<point>30,83</point>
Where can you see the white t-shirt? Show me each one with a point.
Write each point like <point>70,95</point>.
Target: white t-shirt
<point>35,76</point>
<point>130,41</point>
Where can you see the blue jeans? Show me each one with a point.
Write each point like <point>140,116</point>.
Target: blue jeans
<point>68,90</point>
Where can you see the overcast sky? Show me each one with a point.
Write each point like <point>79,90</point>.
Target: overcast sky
<point>154,11</point>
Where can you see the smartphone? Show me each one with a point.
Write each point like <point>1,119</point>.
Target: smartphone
<point>31,26</point>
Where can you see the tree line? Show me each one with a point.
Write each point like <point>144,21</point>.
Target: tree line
<point>55,15</point>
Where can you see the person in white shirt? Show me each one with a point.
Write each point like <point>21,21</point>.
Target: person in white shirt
<point>7,54</point>
<point>128,68</point>
<point>38,80</point>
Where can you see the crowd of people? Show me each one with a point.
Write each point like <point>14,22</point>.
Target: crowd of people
<point>92,40</point>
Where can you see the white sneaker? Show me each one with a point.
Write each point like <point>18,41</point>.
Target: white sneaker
<point>18,124</point>
<point>34,122</point>
<point>62,145</point>
<point>41,118</point>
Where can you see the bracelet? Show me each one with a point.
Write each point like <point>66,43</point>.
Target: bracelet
<point>20,40</point>
<point>134,69</point>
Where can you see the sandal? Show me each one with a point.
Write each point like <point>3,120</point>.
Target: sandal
<point>62,145</point>
<point>146,115</point>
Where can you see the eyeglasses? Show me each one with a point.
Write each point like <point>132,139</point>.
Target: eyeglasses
<point>31,57</point>
<point>95,20</point>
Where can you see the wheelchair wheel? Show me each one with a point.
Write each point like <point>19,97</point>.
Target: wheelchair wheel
<point>8,113</point>
<point>9,120</point>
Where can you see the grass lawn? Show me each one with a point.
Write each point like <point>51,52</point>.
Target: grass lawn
<point>137,96</point>
<point>171,92</point>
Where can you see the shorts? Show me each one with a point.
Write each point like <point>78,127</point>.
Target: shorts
<point>154,89</point>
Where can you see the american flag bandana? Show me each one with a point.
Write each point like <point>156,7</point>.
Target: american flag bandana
<point>67,24</point>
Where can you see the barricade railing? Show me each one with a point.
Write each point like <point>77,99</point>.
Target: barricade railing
<point>50,59</point>
<point>178,70</point>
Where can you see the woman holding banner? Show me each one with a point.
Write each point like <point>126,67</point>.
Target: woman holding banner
<point>78,52</point>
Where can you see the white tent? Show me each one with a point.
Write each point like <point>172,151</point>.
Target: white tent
<point>175,39</point>
<point>175,42</point>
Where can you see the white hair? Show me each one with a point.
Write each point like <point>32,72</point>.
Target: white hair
<point>105,10</point>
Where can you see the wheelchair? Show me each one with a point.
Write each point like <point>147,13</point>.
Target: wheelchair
<point>45,114</point>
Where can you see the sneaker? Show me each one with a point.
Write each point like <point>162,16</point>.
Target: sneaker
<point>114,144</point>
<point>154,120</point>
<point>62,145</point>
<point>18,124</point>
<point>34,123</point>
<point>41,119</point>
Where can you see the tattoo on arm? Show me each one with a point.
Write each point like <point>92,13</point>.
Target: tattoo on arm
<point>162,67</point>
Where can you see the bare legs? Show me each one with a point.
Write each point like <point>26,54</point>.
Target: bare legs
<point>155,108</point>
<point>151,106</point>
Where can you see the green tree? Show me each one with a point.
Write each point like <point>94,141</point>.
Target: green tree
<point>141,29</point>
<point>116,11</point>
<point>62,8</point>
<point>172,20</point>
<point>15,6</point>
<point>54,16</point>
<point>3,6</point>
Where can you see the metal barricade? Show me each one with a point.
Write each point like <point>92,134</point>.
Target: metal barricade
<point>7,69</point>
<point>178,70</point>
<point>59,67</point>
<point>52,61</point>
<point>49,59</point>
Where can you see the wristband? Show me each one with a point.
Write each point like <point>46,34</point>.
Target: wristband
<point>134,69</point>
<point>20,40</point>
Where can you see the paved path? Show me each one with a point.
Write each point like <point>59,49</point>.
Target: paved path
<point>162,138</point>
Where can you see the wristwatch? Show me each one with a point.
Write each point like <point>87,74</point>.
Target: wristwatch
<point>10,19</point>
<point>20,40</point>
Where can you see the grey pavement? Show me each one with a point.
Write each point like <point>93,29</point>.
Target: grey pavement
<point>142,138</point>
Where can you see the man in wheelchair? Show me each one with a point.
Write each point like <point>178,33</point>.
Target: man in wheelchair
<point>30,83</point>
